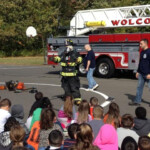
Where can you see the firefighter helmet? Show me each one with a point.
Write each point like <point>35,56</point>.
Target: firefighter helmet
<point>69,42</point>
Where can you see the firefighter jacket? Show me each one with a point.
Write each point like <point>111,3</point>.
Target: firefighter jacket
<point>69,62</point>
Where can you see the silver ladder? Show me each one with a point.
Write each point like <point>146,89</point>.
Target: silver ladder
<point>125,17</point>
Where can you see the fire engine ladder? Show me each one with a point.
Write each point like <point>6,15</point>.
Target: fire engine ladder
<point>89,20</point>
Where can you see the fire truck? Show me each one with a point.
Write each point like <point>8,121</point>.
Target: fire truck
<point>112,51</point>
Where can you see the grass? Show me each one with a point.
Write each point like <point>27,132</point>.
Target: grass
<point>37,60</point>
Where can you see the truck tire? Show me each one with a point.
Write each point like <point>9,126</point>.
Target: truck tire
<point>81,70</point>
<point>105,68</point>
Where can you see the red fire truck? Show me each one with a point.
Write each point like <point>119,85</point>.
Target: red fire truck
<point>112,51</point>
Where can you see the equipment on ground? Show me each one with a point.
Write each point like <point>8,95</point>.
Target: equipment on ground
<point>18,87</point>
<point>2,87</point>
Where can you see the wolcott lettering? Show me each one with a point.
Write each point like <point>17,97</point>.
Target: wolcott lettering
<point>124,22</point>
<point>116,22</point>
<point>139,21</point>
<point>147,21</point>
<point>131,22</point>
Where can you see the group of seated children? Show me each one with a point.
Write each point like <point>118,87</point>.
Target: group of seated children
<point>88,128</point>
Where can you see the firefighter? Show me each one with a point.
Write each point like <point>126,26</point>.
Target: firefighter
<point>69,59</point>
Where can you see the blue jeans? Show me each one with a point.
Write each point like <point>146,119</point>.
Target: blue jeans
<point>141,83</point>
<point>29,147</point>
<point>90,78</point>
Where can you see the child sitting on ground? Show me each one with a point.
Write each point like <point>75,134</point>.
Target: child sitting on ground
<point>107,138</point>
<point>55,140</point>
<point>113,115</point>
<point>84,138</point>
<point>125,130</point>
<point>67,112</point>
<point>141,123</point>
<point>144,143</point>
<point>83,114</point>
<point>93,103</point>
<point>72,130</point>
<point>5,105</point>
<point>97,122</point>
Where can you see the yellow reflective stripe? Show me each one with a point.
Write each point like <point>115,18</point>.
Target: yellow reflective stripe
<point>69,74</point>
<point>79,59</point>
<point>72,64</point>
<point>63,64</point>
<point>57,58</point>
<point>77,99</point>
<point>68,64</point>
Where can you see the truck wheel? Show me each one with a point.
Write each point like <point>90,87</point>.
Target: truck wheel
<point>81,70</point>
<point>105,68</point>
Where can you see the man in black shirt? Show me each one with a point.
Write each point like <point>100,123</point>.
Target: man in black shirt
<point>143,72</point>
<point>89,64</point>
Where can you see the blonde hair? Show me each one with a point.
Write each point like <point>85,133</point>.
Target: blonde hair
<point>93,101</point>
<point>113,115</point>
<point>83,111</point>
<point>68,105</point>
<point>98,112</point>
<point>84,138</point>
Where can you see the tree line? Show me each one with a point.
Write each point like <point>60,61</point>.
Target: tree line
<point>49,17</point>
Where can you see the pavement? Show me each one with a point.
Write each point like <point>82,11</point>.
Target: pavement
<point>46,79</point>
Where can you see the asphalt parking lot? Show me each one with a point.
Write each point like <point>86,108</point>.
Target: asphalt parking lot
<point>47,80</point>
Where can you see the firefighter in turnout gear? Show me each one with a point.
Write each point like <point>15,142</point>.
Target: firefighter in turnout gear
<point>69,60</point>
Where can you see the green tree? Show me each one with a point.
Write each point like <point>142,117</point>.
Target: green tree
<point>46,16</point>
<point>17,15</point>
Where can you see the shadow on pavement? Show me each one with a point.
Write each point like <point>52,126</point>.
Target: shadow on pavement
<point>53,72</point>
<point>146,102</point>
<point>132,97</point>
<point>84,86</point>
<point>122,74</point>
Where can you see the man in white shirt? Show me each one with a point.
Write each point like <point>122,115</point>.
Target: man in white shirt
<point>5,105</point>
<point>125,130</point>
